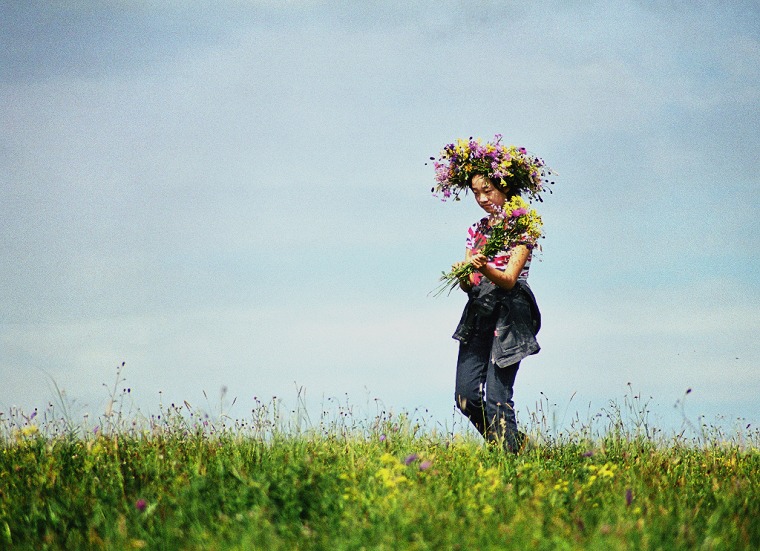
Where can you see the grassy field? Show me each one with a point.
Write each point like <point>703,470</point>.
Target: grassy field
<point>182,481</point>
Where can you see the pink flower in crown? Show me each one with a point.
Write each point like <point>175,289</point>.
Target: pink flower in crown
<point>517,213</point>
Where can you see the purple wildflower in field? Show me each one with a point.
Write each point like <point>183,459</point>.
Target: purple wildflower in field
<point>382,438</point>
<point>411,458</point>
<point>141,505</point>
<point>589,453</point>
<point>628,497</point>
<point>425,465</point>
<point>96,430</point>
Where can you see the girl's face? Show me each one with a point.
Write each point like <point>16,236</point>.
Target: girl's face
<point>488,197</point>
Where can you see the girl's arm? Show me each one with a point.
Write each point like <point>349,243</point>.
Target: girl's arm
<point>507,278</point>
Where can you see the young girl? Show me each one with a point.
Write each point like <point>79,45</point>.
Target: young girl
<point>501,318</point>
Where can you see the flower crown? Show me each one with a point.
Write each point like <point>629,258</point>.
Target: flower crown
<point>510,166</point>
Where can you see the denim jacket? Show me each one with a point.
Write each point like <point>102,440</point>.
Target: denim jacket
<point>516,315</point>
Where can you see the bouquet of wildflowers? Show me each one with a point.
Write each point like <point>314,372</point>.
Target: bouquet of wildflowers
<point>512,166</point>
<point>516,225</point>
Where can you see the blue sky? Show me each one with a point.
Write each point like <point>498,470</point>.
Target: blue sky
<point>236,195</point>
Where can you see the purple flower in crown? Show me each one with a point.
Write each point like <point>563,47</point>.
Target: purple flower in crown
<point>517,213</point>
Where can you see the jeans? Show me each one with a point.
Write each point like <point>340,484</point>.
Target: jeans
<point>478,377</point>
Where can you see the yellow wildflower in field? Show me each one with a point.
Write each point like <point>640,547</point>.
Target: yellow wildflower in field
<point>561,485</point>
<point>351,491</point>
<point>539,491</point>
<point>95,449</point>
<point>391,474</point>
<point>605,472</point>
<point>389,478</point>
<point>489,478</point>
<point>480,495</point>
<point>30,430</point>
<point>560,491</point>
<point>388,459</point>
<point>525,467</point>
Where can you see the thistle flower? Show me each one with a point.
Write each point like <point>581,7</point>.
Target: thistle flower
<point>141,505</point>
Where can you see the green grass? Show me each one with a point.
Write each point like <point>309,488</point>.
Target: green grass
<point>180,481</point>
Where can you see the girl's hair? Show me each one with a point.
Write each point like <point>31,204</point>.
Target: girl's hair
<point>506,190</point>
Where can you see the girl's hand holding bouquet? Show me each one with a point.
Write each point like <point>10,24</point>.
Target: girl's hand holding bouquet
<point>514,225</point>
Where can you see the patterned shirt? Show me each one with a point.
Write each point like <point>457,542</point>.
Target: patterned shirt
<point>477,236</point>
